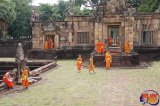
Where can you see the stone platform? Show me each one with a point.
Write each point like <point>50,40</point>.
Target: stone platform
<point>9,64</point>
<point>118,59</point>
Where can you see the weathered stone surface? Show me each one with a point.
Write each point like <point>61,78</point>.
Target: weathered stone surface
<point>130,28</point>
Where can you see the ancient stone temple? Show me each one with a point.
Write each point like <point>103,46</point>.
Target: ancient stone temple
<point>112,19</point>
<point>140,29</point>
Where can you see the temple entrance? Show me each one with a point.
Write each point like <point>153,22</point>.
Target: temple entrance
<point>51,41</point>
<point>113,36</point>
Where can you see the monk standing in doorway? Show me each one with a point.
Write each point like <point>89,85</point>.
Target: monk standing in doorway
<point>127,47</point>
<point>51,44</point>
<point>46,45</point>
<point>7,80</point>
<point>25,82</point>
<point>91,65</point>
<point>100,47</point>
<point>79,63</point>
<point>108,60</point>
<point>110,40</point>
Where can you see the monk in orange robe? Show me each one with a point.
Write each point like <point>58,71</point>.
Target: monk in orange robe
<point>79,63</point>
<point>108,60</point>
<point>100,47</point>
<point>117,43</point>
<point>46,45</point>
<point>127,47</point>
<point>110,41</point>
<point>7,80</point>
<point>51,44</point>
<point>91,65</point>
<point>25,82</point>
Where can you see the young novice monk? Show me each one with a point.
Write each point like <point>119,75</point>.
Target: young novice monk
<point>79,63</point>
<point>46,45</point>
<point>108,60</point>
<point>91,65</point>
<point>25,82</point>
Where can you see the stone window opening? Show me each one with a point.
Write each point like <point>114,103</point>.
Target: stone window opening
<point>83,38</point>
<point>66,25</point>
<point>147,37</point>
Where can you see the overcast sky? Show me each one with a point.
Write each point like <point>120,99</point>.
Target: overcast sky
<point>36,2</point>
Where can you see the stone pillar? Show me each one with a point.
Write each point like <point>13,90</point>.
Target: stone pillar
<point>56,40</point>
<point>98,32</point>
<point>37,36</point>
<point>158,38</point>
<point>70,38</point>
<point>129,30</point>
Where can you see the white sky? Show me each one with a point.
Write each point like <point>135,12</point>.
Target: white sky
<point>36,2</point>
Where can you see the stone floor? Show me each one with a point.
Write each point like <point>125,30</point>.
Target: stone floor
<point>63,86</point>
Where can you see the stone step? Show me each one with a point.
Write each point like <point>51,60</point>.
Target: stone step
<point>115,49</point>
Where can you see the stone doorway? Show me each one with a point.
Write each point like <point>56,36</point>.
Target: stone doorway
<point>114,35</point>
<point>51,41</point>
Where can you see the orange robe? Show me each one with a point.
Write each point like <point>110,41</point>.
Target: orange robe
<point>127,47</point>
<point>51,44</point>
<point>46,45</point>
<point>79,63</point>
<point>100,47</point>
<point>91,65</point>
<point>108,60</point>
<point>7,80</point>
<point>24,78</point>
<point>117,43</point>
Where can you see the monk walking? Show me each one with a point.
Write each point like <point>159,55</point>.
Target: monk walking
<point>46,45</point>
<point>79,63</point>
<point>127,47</point>
<point>108,60</point>
<point>100,47</point>
<point>91,65</point>
<point>25,82</point>
<point>8,80</point>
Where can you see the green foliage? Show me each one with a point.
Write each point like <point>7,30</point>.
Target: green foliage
<point>94,1</point>
<point>78,12</point>
<point>62,7</point>
<point>53,12</point>
<point>79,2</point>
<point>46,11</point>
<point>7,11</point>
<point>21,26</point>
<point>149,6</point>
<point>135,3</point>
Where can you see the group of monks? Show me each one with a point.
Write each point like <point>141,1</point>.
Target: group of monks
<point>91,67</point>
<point>100,50</point>
<point>49,44</point>
<point>100,46</point>
<point>9,81</point>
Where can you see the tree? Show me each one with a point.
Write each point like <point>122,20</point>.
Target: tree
<point>149,6</point>
<point>7,11</point>
<point>62,6</point>
<point>53,12</point>
<point>21,25</point>
<point>46,11</point>
<point>135,3</point>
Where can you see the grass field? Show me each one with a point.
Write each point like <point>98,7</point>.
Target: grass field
<point>63,86</point>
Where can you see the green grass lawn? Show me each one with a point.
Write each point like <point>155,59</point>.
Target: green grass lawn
<point>63,86</point>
